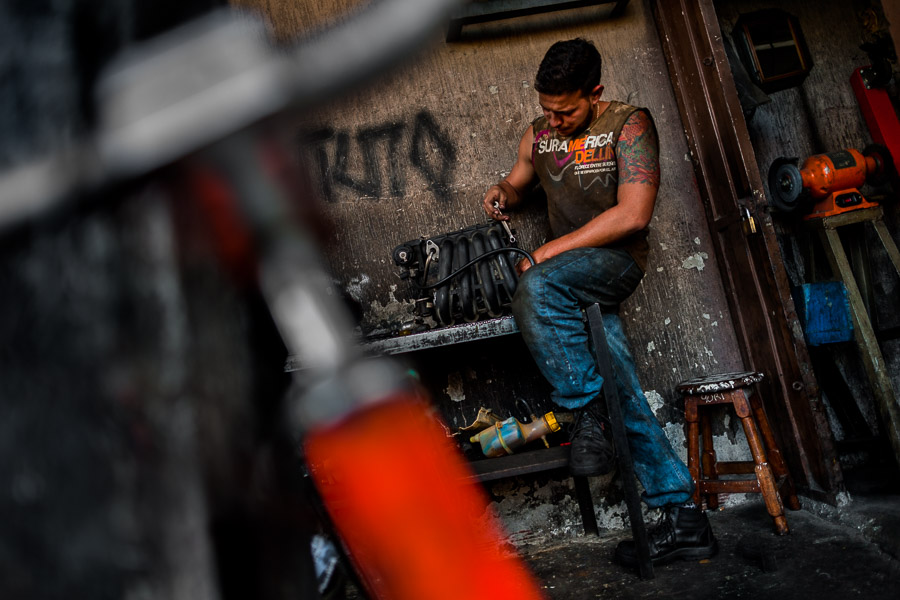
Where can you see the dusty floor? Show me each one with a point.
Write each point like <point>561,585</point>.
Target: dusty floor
<point>819,559</point>
<point>831,553</point>
<point>846,552</point>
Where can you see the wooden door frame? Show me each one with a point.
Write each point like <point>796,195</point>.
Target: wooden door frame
<point>756,284</point>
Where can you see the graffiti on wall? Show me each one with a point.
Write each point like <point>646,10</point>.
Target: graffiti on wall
<point>355,161</point>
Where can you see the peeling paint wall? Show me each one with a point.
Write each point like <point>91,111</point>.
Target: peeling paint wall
<point>413,154</point>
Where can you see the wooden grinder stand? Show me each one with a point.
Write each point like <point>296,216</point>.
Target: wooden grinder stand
<point>885,397</point>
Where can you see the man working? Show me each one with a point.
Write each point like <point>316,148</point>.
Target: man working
<point>597,162</point>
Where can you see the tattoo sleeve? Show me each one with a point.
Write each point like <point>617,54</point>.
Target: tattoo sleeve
<point>637,151</point>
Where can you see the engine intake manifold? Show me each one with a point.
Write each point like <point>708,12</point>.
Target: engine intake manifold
<point>472,270</point>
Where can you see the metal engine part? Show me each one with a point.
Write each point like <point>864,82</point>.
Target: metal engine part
<point>464,287</point>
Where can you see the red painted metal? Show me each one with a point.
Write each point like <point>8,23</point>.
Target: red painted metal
<point>407,509</point>
<point>879,113</point>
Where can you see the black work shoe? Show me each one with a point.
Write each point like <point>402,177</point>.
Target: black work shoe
<point>591,452</point>
<point>681,533</point>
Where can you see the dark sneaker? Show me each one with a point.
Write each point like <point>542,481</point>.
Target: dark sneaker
<point>591,452</point>
<point>681,533</point>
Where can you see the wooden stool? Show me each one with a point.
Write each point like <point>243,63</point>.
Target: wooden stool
<point>771,473</point>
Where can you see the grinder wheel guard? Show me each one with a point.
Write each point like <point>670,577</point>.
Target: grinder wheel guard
<point>462,276</point>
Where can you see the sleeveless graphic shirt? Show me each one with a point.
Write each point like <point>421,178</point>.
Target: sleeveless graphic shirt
<point>580,175</point>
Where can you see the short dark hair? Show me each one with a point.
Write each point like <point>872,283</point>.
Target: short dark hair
<point>569,66</point>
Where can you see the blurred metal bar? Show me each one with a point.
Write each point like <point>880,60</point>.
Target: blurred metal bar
<point>204,81</point>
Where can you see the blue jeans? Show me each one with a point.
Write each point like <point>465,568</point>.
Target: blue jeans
<point>548,307</point>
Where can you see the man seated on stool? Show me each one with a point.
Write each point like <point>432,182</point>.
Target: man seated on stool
<point>597,162</point>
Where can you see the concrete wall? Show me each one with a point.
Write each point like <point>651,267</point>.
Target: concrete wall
<point>414,153</point>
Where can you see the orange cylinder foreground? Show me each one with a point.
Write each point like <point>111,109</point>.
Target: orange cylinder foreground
<point>400,497</point>
<point>824,174</point>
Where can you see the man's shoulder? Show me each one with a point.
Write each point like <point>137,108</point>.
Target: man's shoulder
<point>629,117</point>
<point>625,109</point>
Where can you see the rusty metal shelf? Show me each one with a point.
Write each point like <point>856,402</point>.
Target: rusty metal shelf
<point>445,336</point>
<point>435,338</point>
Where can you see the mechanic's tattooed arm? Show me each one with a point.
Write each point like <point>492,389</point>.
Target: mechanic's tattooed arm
<point>638,151</point>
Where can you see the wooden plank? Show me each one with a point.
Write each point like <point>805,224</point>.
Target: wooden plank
<point>888,242</point>
<point>490,10</point>
<point>493,10</point>
<point>434,338</point>
<point>738,467</point>
<point>729,486</point>
<point>445,336</point>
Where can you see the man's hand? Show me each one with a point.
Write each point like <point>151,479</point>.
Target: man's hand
<point>523,265</point>
<point>546,251</point>
<point>496,200</point>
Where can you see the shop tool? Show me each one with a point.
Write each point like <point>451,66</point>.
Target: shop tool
<point>828,184</point>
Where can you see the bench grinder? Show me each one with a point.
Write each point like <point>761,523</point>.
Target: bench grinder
<point>827,184</point>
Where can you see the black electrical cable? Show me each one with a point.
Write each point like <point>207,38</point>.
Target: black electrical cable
<point>444,280</point>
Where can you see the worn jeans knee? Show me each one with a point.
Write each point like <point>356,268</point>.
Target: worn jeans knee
<point>548,307</point>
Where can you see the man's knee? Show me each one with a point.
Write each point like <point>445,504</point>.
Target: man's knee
<point>527,291</point>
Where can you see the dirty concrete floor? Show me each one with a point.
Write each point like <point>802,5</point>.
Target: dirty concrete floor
<point>831,553</point>
<point>819,559</point>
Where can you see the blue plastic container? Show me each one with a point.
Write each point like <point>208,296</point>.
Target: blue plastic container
<point>824,311</point>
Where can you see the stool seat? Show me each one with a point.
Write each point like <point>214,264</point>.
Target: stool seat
<point>709,384</point>
<point>768,467</point>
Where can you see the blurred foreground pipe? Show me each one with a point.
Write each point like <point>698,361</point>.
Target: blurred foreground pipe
<point>404,504</point>
<point>398,492</point>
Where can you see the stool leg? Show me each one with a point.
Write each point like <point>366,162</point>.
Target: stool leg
<point>693,444</point>
<point>708,459</point>
<point>779,468</point>
<point>763,470</point>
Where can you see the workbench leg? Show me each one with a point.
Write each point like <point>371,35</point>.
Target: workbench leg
<point>623,452</point>
<point>883,390</point>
